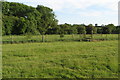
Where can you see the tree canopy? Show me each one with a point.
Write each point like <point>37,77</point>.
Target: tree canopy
<point>21,19</point>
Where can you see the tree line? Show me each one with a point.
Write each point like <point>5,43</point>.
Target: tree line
<point>20,19</point>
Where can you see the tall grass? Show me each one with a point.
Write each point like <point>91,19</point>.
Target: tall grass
<point>61,60</point>
<point>54,38</point>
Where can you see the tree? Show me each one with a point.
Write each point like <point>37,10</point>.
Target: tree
<point>24,19</point>
<point>117,30</point>
<point>5,8</point>
<point>54,30</point>
<point>81,30</point>
<point>108,29</point>
<point>8,24</point>
<point>47,20</point>
<point>62,30</point>
<point>111,28</point>
<point>73,30</point>
<point>91,30</point>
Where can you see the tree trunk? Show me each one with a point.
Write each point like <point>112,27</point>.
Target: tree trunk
<point>101,34</point>
<point>42,37</point>
<point>92,35</point>
<point>73,36</point>
<point>11,38</point>
<point>106,36</point>
<point>80,36</point>
<point>84,35</point>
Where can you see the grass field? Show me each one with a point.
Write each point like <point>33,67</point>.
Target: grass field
<point>56,38</point>
<point>61,60</point>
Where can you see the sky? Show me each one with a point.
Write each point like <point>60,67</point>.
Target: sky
<point>80,11</point>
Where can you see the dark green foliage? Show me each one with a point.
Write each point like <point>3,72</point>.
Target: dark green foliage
<point>99,30</point>
<point>67,29</point>
<point>61,35</point>
<point>47,19</point>
<point>62,29</point>
<point>21,19</point>
<point>81,29</point>
<point>117,30</point>
<point>108,29</point>
<point>54,30</point>
<point>9,22</point>
<point>91,29</point>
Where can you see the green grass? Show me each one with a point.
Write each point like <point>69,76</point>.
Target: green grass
<point>56,38</point>
<point>61,60</point>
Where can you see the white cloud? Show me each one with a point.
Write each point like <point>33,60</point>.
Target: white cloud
<point>61,4</point>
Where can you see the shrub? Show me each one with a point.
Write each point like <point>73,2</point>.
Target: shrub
<point>61,35</point>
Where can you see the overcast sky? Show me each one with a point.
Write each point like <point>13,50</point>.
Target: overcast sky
<point>80,11</point>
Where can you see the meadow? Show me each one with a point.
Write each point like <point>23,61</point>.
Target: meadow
<point>56,38</point>
<point>66,59</point>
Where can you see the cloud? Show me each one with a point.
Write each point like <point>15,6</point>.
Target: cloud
<point>82,4</point>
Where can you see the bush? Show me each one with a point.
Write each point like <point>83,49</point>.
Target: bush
<point>61,35</point>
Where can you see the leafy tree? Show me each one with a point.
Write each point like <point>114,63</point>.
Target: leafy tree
<point>82,30</point>
<point>108,29</point>
<point>117,30</point>
<point>111,28</point>
<point>26,19</point>
<point>8,24</point>
<point>54,30</point>
<point>19,26</point>
<point>5,8</point>
<point>73,30</point>
<point>68,28</point>
<point>99,30</point>
<point>61,30</point>
<point>47,20</point>
<point>91,30</point>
